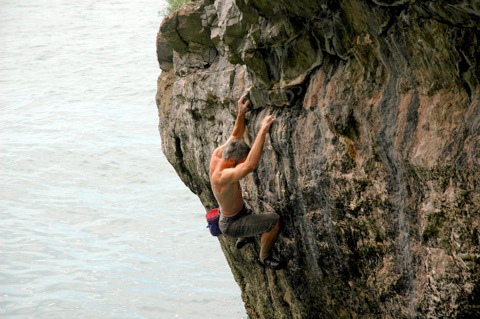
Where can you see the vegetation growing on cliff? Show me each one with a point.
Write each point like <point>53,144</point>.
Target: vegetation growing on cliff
<point>172,6</point>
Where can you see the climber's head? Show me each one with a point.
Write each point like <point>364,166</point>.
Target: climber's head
<point>236,149</point>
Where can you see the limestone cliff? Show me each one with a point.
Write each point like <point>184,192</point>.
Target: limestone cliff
<point>373,162</point>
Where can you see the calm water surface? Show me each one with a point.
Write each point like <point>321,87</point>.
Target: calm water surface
<point>94,221</point>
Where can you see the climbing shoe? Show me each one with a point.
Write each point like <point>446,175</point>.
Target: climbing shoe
<point>272,263</point>
<point>241,242</point>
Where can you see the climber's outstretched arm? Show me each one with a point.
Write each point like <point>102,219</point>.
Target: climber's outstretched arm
<point>239,127</point>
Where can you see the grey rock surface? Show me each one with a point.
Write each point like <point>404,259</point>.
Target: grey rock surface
<point>373,163</point>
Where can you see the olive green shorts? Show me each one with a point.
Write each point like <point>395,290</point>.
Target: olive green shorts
<point>247,224</point>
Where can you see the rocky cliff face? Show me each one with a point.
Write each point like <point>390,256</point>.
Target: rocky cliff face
<point>373,162</point>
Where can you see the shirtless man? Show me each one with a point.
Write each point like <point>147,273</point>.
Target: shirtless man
<point>229,164</point>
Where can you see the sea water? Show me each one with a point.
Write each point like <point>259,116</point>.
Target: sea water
<point>94,222</point>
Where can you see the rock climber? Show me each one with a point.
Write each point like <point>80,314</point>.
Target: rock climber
<point>229,164</point>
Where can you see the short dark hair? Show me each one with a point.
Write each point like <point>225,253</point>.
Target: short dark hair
<point>237,149</point>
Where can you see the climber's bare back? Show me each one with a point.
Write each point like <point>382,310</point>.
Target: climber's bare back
<point>227,192</point>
